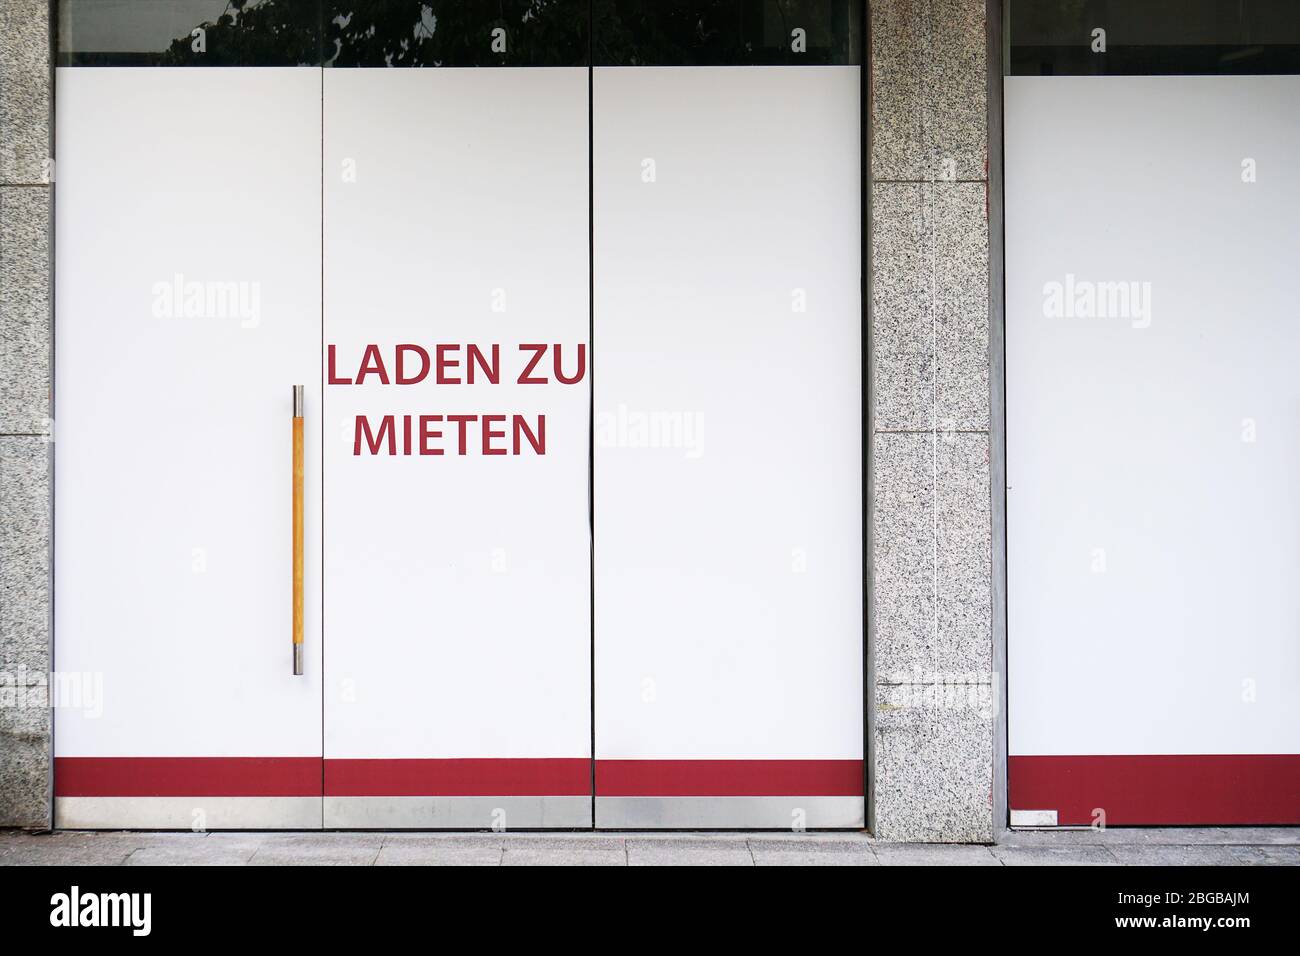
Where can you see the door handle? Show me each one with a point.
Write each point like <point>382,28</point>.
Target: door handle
<point>298,399</point>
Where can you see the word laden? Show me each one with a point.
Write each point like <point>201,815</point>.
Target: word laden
<point>453,364</point>
<point>446,365</point>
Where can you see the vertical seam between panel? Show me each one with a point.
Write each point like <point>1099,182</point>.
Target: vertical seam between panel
<point>591,384</point>
<point>320,56</point>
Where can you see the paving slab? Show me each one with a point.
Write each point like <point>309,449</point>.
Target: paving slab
<point>67,849</point>
<point>566,841</point>
<point>819,841</point>
<point>812,850</point>
<point>433,854</point>
<point>933,854</point>
<point>1255,836</point>
<point>445,840</point>
<point>1201,855</point>
<point>229,843</point>
<point>529,855</point>
<point>319,849</point>
<point>206,853</point>
<point>712,838</point>
<point>1055,855</point>
<point>689,852</point>
<point>1280,855</point>
<point>801,856</point>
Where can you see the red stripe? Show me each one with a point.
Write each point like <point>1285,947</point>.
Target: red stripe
<point>467,777</point>
<point>187,776</point>
<point>1160,789</point>
<point>301,776</point>
<point>729,778</point>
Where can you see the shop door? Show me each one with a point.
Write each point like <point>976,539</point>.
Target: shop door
<point>409,232</point>
<point>458,546</point>
<point>1153,414</point>
<point>728,400</point>
<point>187,308</point>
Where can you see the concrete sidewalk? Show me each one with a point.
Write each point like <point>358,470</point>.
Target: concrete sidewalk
<point>1212,846</point>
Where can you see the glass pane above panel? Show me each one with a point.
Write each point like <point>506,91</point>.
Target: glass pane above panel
<point>727,32</point>
<point>1140,37</point>
<point>189,32</point>
<point>431,33</point>
<point>343,33</point>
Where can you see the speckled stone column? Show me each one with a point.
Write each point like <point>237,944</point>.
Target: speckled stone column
<point>25,426</point>
<point>935,691</point>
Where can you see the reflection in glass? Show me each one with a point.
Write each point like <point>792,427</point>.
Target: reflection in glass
<point>432,33</point>
<point>343,33</point>
<point>1152,37</point>
<point>727,32</point>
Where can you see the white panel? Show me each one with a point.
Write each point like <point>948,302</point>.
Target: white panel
<point>728,547</point>
<point>172,477</point>
<point>457,587</point>
<point>1152,546</point>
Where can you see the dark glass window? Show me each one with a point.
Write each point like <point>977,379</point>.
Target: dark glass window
<point>431,33</point>
<point>189,32</point>
<point>342,33</point>
<point>727,32</point>
<point>456,32</point>
<point>1141,37</point>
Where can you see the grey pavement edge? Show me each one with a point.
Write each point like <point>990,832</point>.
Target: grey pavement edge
<point>1278,846</point>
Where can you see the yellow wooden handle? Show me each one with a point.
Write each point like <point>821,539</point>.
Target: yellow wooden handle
<point>297,530</point>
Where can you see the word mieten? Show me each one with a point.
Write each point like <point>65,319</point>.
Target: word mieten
<point>421,435</point>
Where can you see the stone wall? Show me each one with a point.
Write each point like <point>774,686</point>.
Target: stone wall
<point>931,603</point>
<point>25,426</point>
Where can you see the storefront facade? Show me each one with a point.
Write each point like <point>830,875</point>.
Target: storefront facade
<point>683,436</point>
